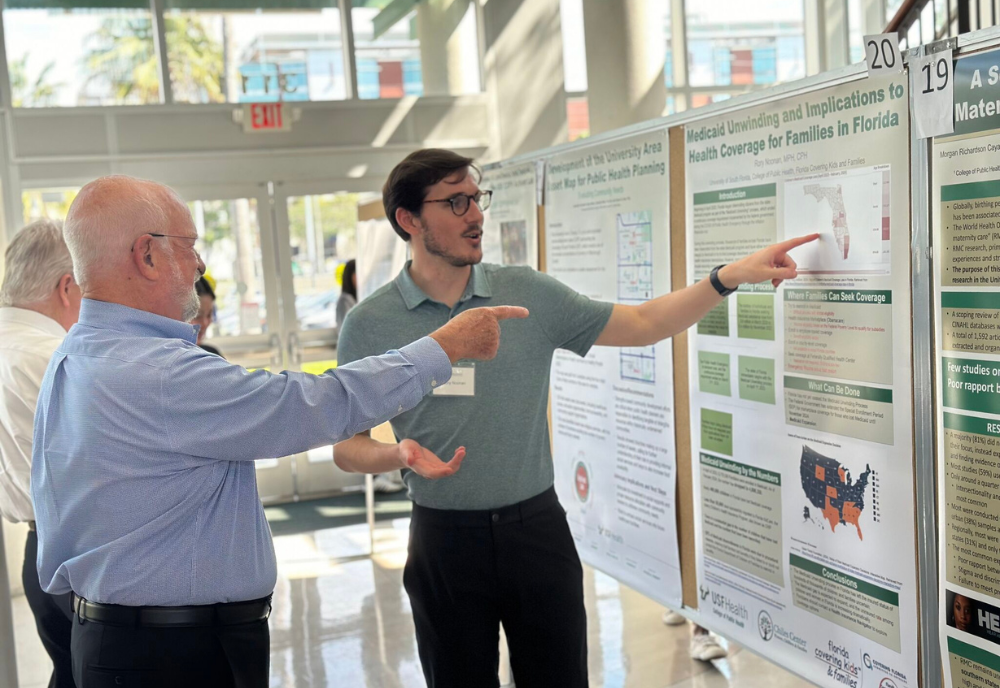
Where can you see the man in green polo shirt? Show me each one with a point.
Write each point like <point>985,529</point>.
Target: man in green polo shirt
<point>490,544</point>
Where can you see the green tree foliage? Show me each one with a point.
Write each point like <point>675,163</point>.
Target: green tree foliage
<point>122,54</point>
<point>38,93</point>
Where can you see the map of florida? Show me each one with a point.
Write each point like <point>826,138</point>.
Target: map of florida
<point>835,197</point>
<point>828,486</point>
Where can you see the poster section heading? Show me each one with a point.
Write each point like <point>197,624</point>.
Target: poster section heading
<point>816,119</point>
<point>600,168</point>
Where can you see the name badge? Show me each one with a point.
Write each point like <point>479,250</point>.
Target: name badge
<point>462,382</point>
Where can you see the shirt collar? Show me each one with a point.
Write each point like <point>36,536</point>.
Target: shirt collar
<point>33,319</point>
<point>114,316</point>
<point>413,296</point>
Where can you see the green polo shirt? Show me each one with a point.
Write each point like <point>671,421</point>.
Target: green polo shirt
<point>504,426</point>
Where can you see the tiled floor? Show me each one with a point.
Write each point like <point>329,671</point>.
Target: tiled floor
<point>343,619</point>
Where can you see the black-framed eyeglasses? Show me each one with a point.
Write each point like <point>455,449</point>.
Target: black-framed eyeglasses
<point>460,203</point>
<point>195,241</point>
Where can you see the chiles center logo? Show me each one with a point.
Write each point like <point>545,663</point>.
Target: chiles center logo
<point>582,481</point>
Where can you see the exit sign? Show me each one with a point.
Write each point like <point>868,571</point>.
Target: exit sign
<point>258,117</point>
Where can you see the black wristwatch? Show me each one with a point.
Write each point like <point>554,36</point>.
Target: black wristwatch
<point>713,277</point>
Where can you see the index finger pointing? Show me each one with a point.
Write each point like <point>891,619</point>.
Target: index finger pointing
<point>506,312</point>
<point>797,241</point>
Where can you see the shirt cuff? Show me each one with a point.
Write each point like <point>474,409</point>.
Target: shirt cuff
<point>432,363</point>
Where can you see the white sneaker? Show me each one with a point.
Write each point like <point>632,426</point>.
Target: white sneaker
<point>386,482</point>
<point>672,618</point>
<point>705,647</point>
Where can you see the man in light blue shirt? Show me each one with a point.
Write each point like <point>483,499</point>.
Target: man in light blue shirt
<point>143,475</point>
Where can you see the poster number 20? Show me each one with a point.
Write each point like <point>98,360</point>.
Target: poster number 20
<point>882,54</point>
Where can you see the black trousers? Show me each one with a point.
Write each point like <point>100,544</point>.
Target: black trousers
<point>469,571</point>
<point>105,655</point>
<point>53,617</point>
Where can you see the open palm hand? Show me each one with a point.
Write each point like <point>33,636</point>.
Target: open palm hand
<point>426,463</point>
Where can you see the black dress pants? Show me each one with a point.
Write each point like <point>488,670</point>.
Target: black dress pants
<point>106,656</point>
<point>53,617</point>
<point>469,571</point>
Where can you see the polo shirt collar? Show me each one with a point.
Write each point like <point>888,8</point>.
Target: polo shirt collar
<point>114,316</point>
<point>413,296</point>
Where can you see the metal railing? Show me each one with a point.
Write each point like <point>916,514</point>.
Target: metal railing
<point>924,21</point>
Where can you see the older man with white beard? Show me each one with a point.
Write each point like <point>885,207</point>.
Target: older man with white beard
<point>143,475</point>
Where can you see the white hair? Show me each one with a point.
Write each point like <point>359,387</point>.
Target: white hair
<point>35,261</point>
<point>106,218</point>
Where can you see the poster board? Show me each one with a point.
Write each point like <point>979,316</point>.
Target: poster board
<point>965,224</point>
<point>607,237</point>
<point>801,396</point>
<point>510,225</point>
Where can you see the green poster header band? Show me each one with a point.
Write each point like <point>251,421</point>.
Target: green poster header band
<point>970,299</point>
<point>969,191</point>
<point>974,654</point>
<point>851,296</point>
<point>741,194</point>
<point>977,426</point>
<point>839,389</point>
<point>752,472</point>
<point>977,101</point>
<point>835,576</point>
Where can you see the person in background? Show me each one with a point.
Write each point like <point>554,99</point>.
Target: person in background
<point>704,645</point>
<point>348,291</point>
<point>39,302</point>
<point>206,312</point>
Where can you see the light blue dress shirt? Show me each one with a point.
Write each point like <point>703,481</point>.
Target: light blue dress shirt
<point>142,472</point>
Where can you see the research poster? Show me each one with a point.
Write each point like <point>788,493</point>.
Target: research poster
<point>966,223</point>
<point>510,226</point>
<point>606,236</point>
<point>801,395</point>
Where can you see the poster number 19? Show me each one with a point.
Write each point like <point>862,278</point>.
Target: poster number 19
<point>933,91</point>
<point>937,75</point>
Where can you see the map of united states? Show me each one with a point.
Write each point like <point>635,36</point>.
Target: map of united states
<point>828,486</point>
<point>834,195</point>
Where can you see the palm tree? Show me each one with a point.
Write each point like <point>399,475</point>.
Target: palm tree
<point>40,93</point>
<point>123,57</point>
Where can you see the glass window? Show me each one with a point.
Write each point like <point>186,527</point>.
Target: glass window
<point>323,235</point>
<point>731,42</point>
<point>891,7</point>
<point>855,31</point>
<point>927,23</point>
<point>46,204</point>
<point>81,56</point>
<point>574,46</point>
<point>254,55</point>
<point>415,48</point>
<point>230,247</point>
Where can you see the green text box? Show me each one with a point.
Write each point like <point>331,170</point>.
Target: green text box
<point>971,384</point>
<point>716,321</point>
<point>756,379</point>
<point>713,373</point>
<point>755,316</point>
<point>717,431</point>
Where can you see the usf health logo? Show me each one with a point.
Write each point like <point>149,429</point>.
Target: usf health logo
<point>581,480</point>
<point>765,626</point>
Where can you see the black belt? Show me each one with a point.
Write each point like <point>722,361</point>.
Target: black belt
<point>484,518</point>
<point>223,614</point>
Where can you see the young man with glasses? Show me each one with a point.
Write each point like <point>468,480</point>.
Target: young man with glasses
<point>490,544</point>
